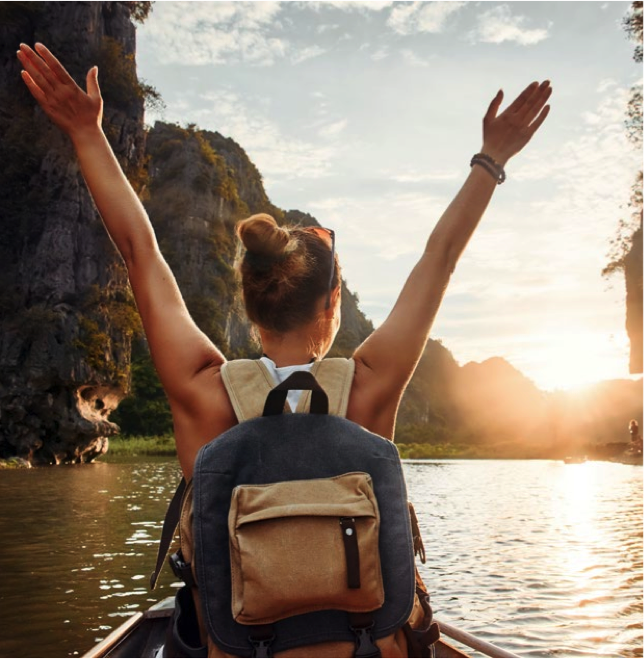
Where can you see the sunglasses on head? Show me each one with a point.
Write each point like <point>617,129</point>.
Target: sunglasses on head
<point>328,235</point>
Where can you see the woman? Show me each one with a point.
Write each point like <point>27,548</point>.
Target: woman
<point>279,263</point>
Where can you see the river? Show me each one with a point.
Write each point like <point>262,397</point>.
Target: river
<point>542,558</point>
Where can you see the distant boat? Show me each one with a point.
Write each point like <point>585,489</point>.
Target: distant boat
<point>574,460</point>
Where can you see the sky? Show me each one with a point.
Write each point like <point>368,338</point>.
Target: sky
<point>366,115</point>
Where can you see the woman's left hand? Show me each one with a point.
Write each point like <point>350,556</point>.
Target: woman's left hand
<point>506,134</point>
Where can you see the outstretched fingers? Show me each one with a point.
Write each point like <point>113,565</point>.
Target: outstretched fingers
<point>35,67</point>
<point>534,126</point>
<point>494,106</point>
<point>535,103</point>
<point>54,65</point>
<point>522,98</point>
<point>35,90</point>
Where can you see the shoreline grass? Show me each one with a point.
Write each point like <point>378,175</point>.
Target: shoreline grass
<point>161,445</point>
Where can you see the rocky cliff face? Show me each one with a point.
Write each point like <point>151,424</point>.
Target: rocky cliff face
<point>67,317</point>
<point>65,311</point>
<point>633,278</point>
<point>201,184</point>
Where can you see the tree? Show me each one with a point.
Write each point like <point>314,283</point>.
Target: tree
<point>139,11</point>
<point>628,228</point>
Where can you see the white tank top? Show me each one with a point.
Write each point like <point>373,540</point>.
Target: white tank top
<point>280,373</point>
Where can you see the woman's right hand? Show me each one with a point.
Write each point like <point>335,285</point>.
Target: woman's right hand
<point>64,102</point>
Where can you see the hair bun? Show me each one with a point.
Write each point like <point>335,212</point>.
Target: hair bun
<point>260,235</point>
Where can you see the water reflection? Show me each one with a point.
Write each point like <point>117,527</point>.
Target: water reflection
<point>539,557</point>
<point>560,545</point>
<point>78,540</point>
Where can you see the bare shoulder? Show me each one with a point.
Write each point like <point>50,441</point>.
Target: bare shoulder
<point>373,402</point>
<point>204,413</point>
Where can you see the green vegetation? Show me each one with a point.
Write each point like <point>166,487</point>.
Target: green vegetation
<point>146,410</point>
<point>621,244</point>
<point>139,11</point>
<point>634,27</point>
<point>14,463</point>
<point>449,451</point>
<point>431,451</point>
<point>136,445</point>
<point>120,86</point>
<point>107,315</point>
<point>164,445</point>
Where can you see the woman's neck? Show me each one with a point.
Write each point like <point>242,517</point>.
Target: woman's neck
<point>287,355</point>
<point>289,349</point>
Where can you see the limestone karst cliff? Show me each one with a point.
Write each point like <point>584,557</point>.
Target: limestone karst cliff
<point>200,185</point>
<point>633,280</point>
<point>65,314</point>
<point>67,318</point>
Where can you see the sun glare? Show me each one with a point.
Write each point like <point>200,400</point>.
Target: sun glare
<point>576,359</point>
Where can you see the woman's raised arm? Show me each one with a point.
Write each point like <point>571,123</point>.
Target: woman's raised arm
<point>179,349</point>
<point>391,353</point>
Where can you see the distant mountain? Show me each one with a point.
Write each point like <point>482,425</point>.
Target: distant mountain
<point>491,408</point>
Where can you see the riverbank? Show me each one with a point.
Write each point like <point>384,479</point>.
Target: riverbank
<point>163,445</point>
<point>15,463</point>
<point>160,445</point>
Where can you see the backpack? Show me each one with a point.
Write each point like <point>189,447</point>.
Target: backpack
<point>296,537</point>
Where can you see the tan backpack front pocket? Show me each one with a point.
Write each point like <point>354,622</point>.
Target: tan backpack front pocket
<point>302,546</point>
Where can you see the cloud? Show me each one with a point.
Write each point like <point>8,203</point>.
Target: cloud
<point>327,27</point>
<point>275,153</point>
<point>414,176</point>
<point>216,33</point>
<point>605,84</point>
<point>412,59</point>
<point>349,6</point>
<point>398,223</point>
<point>497,25</point>
<point>422,16</point>
<point>307,53</point>
<point>380,54</point>
<point>581,162</point>
<point>333,130</point>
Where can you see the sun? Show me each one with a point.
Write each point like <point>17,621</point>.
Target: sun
<point>573,359</point>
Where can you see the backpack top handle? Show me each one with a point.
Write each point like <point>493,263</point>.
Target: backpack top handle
<point>300,380</point>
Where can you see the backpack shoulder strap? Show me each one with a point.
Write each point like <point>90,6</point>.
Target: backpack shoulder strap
<point>248,383</point>
<point>335,376</point>
<point>170,523</point>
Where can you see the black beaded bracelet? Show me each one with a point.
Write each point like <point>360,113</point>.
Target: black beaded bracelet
<point>490,165</point>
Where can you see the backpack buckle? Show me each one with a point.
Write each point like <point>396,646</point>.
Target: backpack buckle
<point>262,647</point>
<point>181,569</point>
<point>365,646</point>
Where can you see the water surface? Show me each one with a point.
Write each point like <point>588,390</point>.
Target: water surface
<point>542,558</point>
